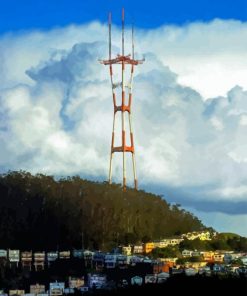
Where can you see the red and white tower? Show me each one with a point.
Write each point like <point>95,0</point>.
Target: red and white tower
<point>126,100</point>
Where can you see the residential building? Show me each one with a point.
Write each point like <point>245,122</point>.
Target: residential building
<point>39,260</point>
<point>26,259</point>
<point>187,253</point>
<point>138,249</point>
<point>37,289</point>
<point>148,247</point>
<point>76,282</point>
<point>96,280</point>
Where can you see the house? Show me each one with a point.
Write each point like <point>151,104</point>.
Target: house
<point>26,259</point>
<point>77,254</point>
<point>88,258</point>
<point>159,267</point>
<point>16,292</point>
<point>169,260</point>
<point>3,254</point>
<point>110,261</point>
<point>162,277</point>
<point>150,279</point>
<point>56,288</point>
<point>14,257</point>
<point>136,280</point>
<point>37,289</point>
<point>137,249</point>
<point>196,254</point>
<point>190,271</point>
<point>148,247</point>
<point>39,260</point>
<point>135,259</point>
<point>218,257</point>
<point>98,260</point>
<point>51,257</point>
<point>64,255</point>
<point>187,253</point>
<point>195,265</point>
<point>168,242</point>
<point>208,256</point>
<point>76,282</point>
<point>161,244</point>
<point>202,235</point>
<point>126,250</point>
<point>96,280</point>
<point>122,261</point>
<point>244,259</point>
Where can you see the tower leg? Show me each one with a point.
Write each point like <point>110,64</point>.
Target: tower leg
<point>133,153</point>
<point>112,145</point>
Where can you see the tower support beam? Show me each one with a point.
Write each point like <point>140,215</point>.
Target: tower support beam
<point>122,60</point>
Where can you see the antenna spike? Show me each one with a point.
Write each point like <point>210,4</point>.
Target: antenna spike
<point>123,31</point>
<point>109,25</point>
<point>133,43</point>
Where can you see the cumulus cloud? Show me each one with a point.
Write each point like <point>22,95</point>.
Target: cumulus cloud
<point>56,108</point>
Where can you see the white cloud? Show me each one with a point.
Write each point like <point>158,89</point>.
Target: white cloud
<point>56,107</point>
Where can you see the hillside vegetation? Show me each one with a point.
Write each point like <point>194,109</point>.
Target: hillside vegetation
<point>39,212</point>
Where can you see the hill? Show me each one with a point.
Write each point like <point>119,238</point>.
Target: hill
<point>39,212</point>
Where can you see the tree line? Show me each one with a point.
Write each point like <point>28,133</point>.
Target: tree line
<point>40,212</point>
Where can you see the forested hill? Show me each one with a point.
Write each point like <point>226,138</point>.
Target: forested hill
<point>41,213</point>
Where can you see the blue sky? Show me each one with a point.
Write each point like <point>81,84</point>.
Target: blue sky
<point>190,97</point>
<point>28,14</point>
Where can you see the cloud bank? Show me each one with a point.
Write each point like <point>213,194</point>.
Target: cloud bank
<point>190,109</point>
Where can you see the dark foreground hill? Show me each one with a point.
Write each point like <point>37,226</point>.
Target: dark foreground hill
<point>39,212</point>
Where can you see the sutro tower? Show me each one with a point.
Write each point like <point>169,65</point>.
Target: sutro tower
<point>122,60</point>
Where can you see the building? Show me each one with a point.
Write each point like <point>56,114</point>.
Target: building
<point>98,260</point>
<point>51,257</point>
<point>16,292</point>
<point>126,250</point>
<point>122,261</point>
<point>3,254</point>
<point>136,280</point>
<point>148,247</point>
<point>64,255</point>
<point>56,288</point>
<point>96,280</point>
<point>77,254</point>
<point>202,235</point>
<point>76,282</point>
<point>37,289</point>
<point>110,261</point>
<point>14,257</point>
<point>150,279</point>
<point>168,242</point>
<point>39,260</point>
<point>137,249</point>
<point>26,259</point>
<point>208,256</point>
<point>187,253</point>
<point>159,267</point>
<point>218,257</point>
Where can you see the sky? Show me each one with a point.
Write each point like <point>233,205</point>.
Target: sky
<point>190,97</point>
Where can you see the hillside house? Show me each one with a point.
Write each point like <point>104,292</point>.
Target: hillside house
<point>51,257</point>
<point>39,260</point>
<point>96,280</point>
<point>26,259</point>
<point>64,255</point>
<point>14,256</point>
<point>56,289</point>
<point>37,289</point>
<point>137,249</point>
<point>148,247</point>
<point>76,282</point>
